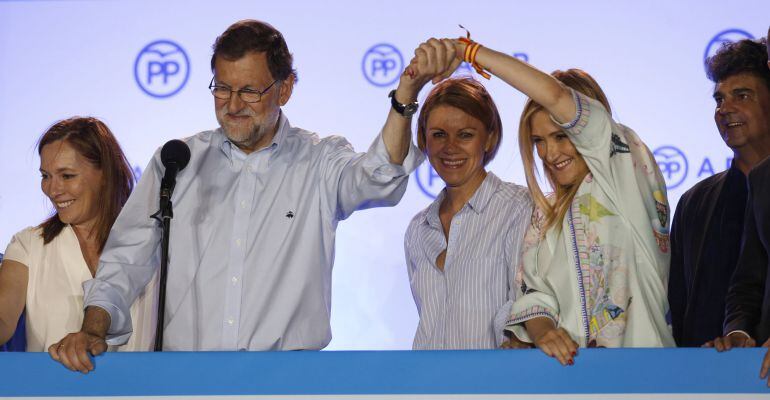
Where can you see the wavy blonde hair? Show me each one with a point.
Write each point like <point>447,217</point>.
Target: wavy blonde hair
<point>554,212</point>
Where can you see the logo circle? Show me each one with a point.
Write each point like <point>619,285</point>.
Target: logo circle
<point>428,180</point>
<point>382,64</point>
<point>726,36</point>
<point>673,165</point>
<point>162,69</point>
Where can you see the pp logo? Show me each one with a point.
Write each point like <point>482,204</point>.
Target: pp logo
<point>521,56</point>
<point>382,65</point>
<point>673,165</point>
<point>428,180</point>
<point>728,36</point>
<point>161,69</point>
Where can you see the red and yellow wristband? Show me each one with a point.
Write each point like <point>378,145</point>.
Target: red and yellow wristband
<point>469,56</point>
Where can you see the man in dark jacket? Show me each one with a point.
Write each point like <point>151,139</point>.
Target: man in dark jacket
<point>747,315</point>
<point>709,219</point>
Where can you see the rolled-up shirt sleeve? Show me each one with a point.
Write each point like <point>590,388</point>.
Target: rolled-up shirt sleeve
<point>365,180</point>
<point>130,257</point>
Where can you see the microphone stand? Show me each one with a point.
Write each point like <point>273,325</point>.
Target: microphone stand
<point>164,216</point>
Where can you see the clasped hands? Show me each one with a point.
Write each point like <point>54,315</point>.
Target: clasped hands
<point>434,60</point>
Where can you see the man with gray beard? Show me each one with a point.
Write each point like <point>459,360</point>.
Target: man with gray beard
<point>255,213</point>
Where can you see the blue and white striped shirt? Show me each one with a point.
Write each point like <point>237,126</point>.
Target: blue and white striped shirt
<point>465,306</point>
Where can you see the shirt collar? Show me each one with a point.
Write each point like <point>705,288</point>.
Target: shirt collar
<point>478,202</point>
<point>431,214</point>
<point>483,195</point>
<point>227,146</point>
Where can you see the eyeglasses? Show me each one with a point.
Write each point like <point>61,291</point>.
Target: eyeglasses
<point>247,95</point>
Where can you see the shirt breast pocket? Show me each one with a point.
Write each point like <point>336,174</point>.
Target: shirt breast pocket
<point>284,218</point>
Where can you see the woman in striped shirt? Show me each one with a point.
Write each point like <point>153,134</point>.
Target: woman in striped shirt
<point>462,250</point>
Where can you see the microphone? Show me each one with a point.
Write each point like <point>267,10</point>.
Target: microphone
<point>175,155</point>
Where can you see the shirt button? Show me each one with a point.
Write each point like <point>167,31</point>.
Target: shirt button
<point>243,203</point>
<point>238,242</point>
<point>230,321</point>
<point>234,279</point>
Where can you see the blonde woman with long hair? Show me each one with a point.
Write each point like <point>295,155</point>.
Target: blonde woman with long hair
<point>595,262</point>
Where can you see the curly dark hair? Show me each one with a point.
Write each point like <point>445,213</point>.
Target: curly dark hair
<point>742,57</point>
<point>252,35</point>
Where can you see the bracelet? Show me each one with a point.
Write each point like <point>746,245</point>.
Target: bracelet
<point>471,49</point>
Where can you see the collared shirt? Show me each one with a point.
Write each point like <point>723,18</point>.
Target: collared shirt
<point>252,239</point>
<point>466,305</point>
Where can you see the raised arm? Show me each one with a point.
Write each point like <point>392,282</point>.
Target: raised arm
<point>379,177</point>
<point>535,84</point>
<point>432,60</point>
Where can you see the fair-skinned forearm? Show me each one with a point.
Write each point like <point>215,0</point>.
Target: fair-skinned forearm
<point>397,133</point>
<point>535,84</point>
<point>96,322</point>
<point>433,60</point>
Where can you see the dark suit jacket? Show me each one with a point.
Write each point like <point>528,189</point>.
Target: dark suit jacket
<point>688,233</point>
<point>748,301</point>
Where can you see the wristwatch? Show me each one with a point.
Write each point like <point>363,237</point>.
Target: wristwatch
<point>406,110</point>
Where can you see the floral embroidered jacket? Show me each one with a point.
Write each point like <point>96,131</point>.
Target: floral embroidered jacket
<point>602,275</point>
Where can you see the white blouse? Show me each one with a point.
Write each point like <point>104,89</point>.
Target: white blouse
<point>54,303</point>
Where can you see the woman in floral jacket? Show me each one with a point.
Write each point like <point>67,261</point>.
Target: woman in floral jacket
<point>595,263</point>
